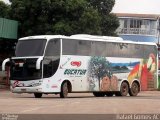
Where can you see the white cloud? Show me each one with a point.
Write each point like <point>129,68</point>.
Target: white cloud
<point>137,6</point>
<point>6,1</point>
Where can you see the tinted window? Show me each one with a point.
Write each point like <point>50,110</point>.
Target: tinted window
<point>148,49</point>
<point>125,50</point>
<point>108,49</point>
<point>69,47</point>
<point>32,47</point>
<point>25,72</point>
<point>76,47</point>
<point>98,48</point>
<point>136,51</point>
<point>53,48</point>
<point>111,49</point>
<point>84,48</point>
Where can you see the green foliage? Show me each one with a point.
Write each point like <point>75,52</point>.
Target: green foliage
<point>51,16</point>
<point>103,6</point>
<point>32,15</point>
<point>109,22</point>
<point>90,22</point>
<point>4,10</point>
<point>65,17</point>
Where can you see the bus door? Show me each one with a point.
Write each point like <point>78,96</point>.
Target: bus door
<point>51,58</point>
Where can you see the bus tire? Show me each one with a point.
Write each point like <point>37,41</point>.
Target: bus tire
<point>109,94</point>
<point>64,90</point>
<point>99,94</point>
<point>37,95</point>
<point>124,89</point>
<point>134,90</point>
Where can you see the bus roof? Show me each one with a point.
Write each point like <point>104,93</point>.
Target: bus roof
<point>96,37</point>
<point>43,37</point>
<point>87,37</point>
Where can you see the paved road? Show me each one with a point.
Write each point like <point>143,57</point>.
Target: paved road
<point>79,103</point>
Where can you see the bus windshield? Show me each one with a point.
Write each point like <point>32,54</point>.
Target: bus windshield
<point>31,47</point>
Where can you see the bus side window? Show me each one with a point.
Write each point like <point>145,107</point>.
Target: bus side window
<point>148,49</point>
<point>100,49</point>
<point>138,51</point>
<point>84,48</point>
<point>112,49</point>
<point>69,47</point>
<point>123,50</point>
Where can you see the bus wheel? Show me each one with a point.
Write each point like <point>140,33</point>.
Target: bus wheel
<point>134,90</point>
<point>37,95</point>
<point>64,90</point>
<point>109,94</point>
<point>99,94</point>
<point>124,89</point>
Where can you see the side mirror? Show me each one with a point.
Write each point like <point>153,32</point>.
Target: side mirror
<point>38,63</point>
<point>4,64</point>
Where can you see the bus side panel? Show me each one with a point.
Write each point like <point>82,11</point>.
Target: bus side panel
<point>95,73</point>
<point>75,69</point>
<point>111,71</point>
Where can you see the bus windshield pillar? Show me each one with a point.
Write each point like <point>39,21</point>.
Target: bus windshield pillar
<point>38,63</point>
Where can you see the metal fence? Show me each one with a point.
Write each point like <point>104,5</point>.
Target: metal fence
<point>137,31</point>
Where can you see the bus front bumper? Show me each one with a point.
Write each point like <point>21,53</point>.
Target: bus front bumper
<point>26,89</point>
<point>37,89</point>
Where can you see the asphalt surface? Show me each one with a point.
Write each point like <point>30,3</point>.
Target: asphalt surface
<point>147,102</point>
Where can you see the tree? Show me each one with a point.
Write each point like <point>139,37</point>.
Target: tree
<point>4,10</point>
<point>6,46</point>
<point>65,17</point>
<point>109,22</point>
<point>55,17</point>
<point>104,7</point>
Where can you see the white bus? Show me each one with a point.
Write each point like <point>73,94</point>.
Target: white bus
<point>104,66</point>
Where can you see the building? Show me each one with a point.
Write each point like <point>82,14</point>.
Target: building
<point>139,19</point>
<point>8,37</point>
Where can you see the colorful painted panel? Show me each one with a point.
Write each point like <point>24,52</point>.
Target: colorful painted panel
<point>105,72</point>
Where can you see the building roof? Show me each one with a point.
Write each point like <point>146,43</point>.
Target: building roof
<point>145,16</point>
